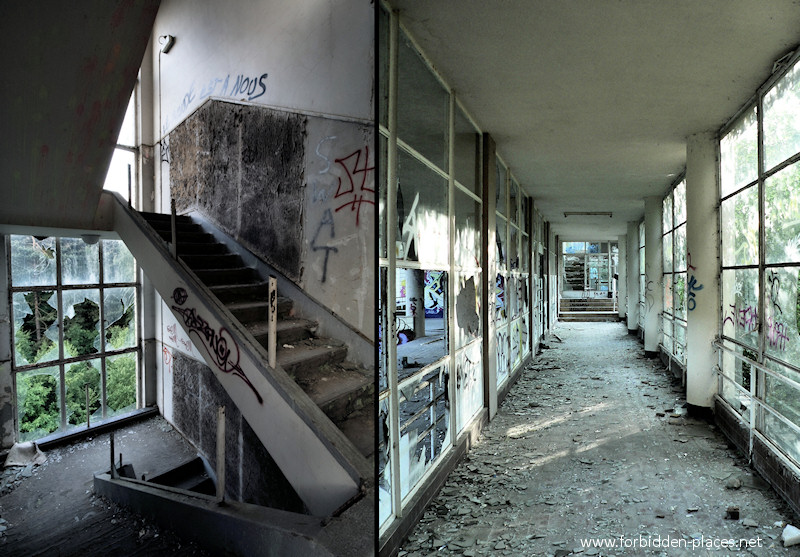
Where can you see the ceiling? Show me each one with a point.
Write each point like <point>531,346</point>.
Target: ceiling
<point>591,101</point>
<point>68,72</point>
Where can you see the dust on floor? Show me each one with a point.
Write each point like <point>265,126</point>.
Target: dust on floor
<point>594,443</point>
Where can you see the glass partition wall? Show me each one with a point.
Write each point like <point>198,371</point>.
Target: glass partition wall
<point>432,277</point>
<point>760,257</point>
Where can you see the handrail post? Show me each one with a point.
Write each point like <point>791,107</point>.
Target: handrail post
<point>272,332</point>
<point>174,247</point>
<point>220,454</point>
<point>130,188</point>
<point>88,416</point>
<point>113,469</point>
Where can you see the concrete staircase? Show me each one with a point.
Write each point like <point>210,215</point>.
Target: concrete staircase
<point>343,390</point>
<point>191,475</point>
<point>587,309</point>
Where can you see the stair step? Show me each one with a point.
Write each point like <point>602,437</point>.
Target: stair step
<point>338,388</point>
<point>188,237</point>
<point>191,476</point>
<point>165,217</point>
<point>201,248</point>
<point>255,311</point>
<point>288,330</point>
<point>239,275</point>
<point>308,355</point>
<point>182,227</point>
<point>212,261</point>
<point>359,427</point>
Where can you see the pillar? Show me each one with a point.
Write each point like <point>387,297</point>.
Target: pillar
<point>702,284</point>
<point>632,268</point>
<point>622,282</point>
<point>653,293</point>
<point>488,276</point>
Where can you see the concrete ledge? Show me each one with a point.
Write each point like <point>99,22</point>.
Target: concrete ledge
<point>230,529</point>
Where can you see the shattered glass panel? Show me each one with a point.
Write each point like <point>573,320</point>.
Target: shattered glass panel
<point>80,262</point>
<point>739,371</point>
<point>740,305</point>
<point>680,203</point>
<point>503,345</point>
<point>511,296</point>
<point>500,298</point>
<point>119,307</point>
<point>424,412</point>
<point>666,214</point>
<point>515,341</point>
<point>679,255</point>
<point>667,280</point>
<point>782,216</point>
<point>469,383</point>
<point>384,431</point>
<point>383,380</point>
<point>118,262</point>
<point>33,261</point>
<point>679,299</point>
<point>666,333</point>
<point>81,322</point>
<point>78,378</point>
<point>679,342</point>
<point>468,325</point>
<point>467,243</point>
<point>38,402</point>
<point>35,327</point>
<point>666,250</point>
<point>513,202</point>
<point>420,319</point>
<point>121,383</point>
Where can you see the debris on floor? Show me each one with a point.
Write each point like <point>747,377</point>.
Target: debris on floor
<point>570,461</point>
<point>24,454</point>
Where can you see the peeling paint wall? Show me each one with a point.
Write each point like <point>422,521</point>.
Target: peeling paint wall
<point>242,166</point>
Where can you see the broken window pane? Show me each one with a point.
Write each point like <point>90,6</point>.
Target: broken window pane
<point>121,383</point>
<point>421,318</point>
<point>500,188</point>
<point>119,306</point>
<point>424,424</point>
<point>782,216</point>
<point>680,203</point>
<point>780,309</point>
<point>80,262</point>
<point>666,213</point>
<point>467,242</point>
<point>666,251</point>
<point>79,378</point>
<point>35,327</point>
<point>118,262</point>
<point>503,345</point>
<point>513,248</point>
<point>468,316</point>
<point>515,342</point>
<point>782,119</point>
<point>738,371</point>
<point>81,322</point>
<point>469,383</point>
<point>386,509</point>
<point>679,298</point>
<point>467,152</point>
<point>513,202</point>
<point>33,261</point>
<point>38,402</point>
<point>501,247</point>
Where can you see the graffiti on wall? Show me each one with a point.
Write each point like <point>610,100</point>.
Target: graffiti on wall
<point>777,330</point>
<point>692,287</point>
<point>354,189</point>
<point>500,311</point>
<point>503,354</point>
<point>240,86</point>
<point>221,347</point>
<point>434,293</point>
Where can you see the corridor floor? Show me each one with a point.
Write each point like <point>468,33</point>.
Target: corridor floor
<point>593,443</point>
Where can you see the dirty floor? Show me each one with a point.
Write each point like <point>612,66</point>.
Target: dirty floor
<point>51,509</point>
<point>594,443</point>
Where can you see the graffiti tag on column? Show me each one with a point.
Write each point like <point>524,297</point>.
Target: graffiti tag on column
<point>691,288</point>
<point>353,166</point>
<point>434,294</point>
<point>648,296</point>
<point>327,220</point>
<point>222,349</point>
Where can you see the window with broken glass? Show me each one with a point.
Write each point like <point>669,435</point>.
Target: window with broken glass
<point>675,265</point>
<point>760,252</point>
<point>74,335</point>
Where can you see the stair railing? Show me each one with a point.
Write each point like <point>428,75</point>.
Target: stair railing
<point>173,248</point>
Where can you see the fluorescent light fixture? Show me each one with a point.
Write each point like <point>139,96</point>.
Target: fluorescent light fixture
<point>586,214</point>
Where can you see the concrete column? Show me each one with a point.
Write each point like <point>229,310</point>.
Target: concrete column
<point>622,277</point>
<point>654,293</point>
<point>488,276</point>
<point>702,287</point>
<point>632,256</point>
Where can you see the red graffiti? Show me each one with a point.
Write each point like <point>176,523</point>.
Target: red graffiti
<point>365,188</point>
<point>167,359</point>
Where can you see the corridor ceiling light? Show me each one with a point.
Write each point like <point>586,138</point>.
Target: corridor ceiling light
<point>586,214</point>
